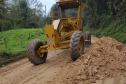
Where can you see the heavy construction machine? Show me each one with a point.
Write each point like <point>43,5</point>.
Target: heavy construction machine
<point>63,33</point>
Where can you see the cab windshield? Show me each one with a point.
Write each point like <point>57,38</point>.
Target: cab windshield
<point>69,12</point>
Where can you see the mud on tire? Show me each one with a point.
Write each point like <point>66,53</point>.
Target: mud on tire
<point>32,54</point>
<point>77,45</point>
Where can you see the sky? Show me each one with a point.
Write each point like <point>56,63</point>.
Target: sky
<point>48,4</point>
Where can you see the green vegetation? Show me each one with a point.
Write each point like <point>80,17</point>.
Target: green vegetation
<point>106,18</point>
<point>13,43</point>
<point>21,14</point>
<point>116,29</point>
<point>16,40</point>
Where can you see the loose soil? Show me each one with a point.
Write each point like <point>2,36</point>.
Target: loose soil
<point>103,63</point>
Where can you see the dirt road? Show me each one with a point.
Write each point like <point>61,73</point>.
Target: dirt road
<point>23,72</point>
<point>57,65</point>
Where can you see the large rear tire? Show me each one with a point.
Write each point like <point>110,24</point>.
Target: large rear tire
<point>32,54</point>
<point>77,45</point>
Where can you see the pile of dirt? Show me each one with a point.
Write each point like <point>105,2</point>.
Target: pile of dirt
<point>106,58</point>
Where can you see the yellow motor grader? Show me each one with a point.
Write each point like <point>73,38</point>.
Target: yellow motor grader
<point>63,33</point>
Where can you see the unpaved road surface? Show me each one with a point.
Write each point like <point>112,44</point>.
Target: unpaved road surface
<point>96,66</point>
<point>23,72</point>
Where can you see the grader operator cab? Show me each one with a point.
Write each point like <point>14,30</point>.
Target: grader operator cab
<point>65,32</point>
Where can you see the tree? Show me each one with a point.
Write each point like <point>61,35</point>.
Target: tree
<point>100,11</point>
<point>3,12</point>
<point>20,14</point>
<point>54,14</point>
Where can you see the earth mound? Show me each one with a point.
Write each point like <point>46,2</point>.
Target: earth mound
<point>105,58</point>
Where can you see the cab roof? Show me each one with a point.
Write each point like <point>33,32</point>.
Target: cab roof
<point>68,3</point>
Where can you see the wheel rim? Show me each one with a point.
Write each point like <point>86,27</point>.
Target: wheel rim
<point>40,54</point>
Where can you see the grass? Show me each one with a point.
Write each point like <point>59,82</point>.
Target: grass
<point>14,42</point>
<point>116,29</point>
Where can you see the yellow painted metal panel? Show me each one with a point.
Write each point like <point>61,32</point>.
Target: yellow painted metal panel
<point>49,31</point>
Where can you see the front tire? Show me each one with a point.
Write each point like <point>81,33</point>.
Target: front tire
<point>32,54</point>
<point>77,45</point>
